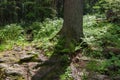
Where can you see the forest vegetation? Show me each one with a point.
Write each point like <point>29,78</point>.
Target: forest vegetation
<point>59,39</point>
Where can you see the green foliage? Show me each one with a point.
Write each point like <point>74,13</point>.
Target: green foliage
<point>108,67</point>
<point>6,46</point>
<point>47,47</point>
<point>85,77</point>
<point>89,20</point>
<point>109,7</point>
<point>47,29</point>
<point>43,31</point>
<point>108,4</point>
<point>113,66</point>
<point>25,11</point>
<point>96,66</point>
<point>88,6</point>
<point>10,32</point>
<point>67,75</point>
<point>11,35</point>
<point>99,35</point>
<point>44,34</point>
<point>65,59</point>
<point>61,46</point>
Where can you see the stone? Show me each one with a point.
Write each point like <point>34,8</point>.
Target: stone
<point>16,65</point>
<point>17,49</point>
<point>13,72</point>
<point>31,53</point>
<point>2,60</point>
<point>3,66</point>
<point>27,58</point>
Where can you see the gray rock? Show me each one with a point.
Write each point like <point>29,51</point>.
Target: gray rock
<point>3,66</point>
<point>16,65</point>
<point>2,60</point>
<point>13,72</point>
<point>33,53</point>
<point>17,48</point>
<point>26,58</point>
<point>29,56</point>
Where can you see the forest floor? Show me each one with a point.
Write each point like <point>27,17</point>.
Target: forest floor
<point>30,63</point>
<point>40,60</point>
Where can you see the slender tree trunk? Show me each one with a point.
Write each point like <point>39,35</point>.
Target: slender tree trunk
<point>73,19</point>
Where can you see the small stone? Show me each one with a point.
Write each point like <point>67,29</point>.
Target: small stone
<point>4,66</point>
<point>26,58</point>
<point>13,72</point>
<point>2,60</point>
<point>17,48</point>
<point>16,65</point>
<point>10,72</point>
<point>29,53</point>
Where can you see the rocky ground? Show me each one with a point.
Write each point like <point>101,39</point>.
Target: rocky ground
<point>30,63</point>
<point>19,63</point>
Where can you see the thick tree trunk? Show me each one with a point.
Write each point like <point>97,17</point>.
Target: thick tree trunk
<point>73,19</point>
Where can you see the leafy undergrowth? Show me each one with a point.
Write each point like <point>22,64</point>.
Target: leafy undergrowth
<point>103,39</point>
<point>101,56</point>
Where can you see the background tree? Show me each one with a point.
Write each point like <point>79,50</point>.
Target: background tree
<point>25,11</point>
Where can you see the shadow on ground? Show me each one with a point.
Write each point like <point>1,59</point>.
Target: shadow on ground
<point>53,68</point>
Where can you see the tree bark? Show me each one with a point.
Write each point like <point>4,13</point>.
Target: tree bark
<point>72,29</point>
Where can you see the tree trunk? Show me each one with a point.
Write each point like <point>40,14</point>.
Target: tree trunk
<point>73,19</point>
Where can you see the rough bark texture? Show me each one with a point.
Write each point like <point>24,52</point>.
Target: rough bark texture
<point>73,20</point>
